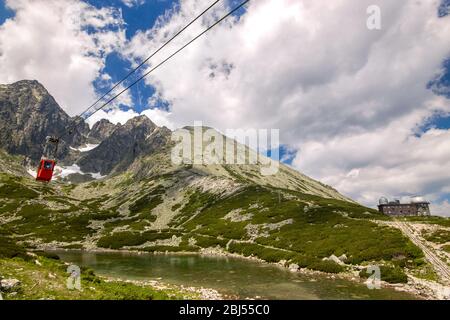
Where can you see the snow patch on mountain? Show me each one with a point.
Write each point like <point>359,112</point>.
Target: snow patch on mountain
<point>86,148</point>
<point>65,171</point>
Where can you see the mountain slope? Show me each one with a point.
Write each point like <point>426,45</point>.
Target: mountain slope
<point>187,211</point>
<point>148,203</point>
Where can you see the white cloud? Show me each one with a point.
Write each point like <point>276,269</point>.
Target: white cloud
<point>159,117</point>
<point>348,98</point>
<point>442,208</point>
<point>114,116</point>
<point>62,44</point>
<point>133,3</point>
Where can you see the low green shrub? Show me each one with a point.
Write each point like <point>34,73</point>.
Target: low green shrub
<point>181,247</point>
<point>326,266</point>
<point>89,275</point>
<point>304,261</point>
<point>48,255</point>
<point>442,221</point>
<point>388,274</point>
<point>11,188</point>
<point>209,242</point>
<point>9,248</point>
<point>128,238</point>
<point>439,236</point>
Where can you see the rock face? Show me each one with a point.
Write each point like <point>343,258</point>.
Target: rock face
<point>28,113</point>
<point>126,143</point>
<point>100,131</point>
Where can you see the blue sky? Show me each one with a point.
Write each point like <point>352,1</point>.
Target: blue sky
<point>140,18</point>
<point>441,86</point>
<point>5,13</point>
<point>137,18</point>
<point>443,8</point>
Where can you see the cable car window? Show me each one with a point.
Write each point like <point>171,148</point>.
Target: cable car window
<point>48,165</point>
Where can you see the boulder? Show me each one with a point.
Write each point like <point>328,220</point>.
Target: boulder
<point>334,259</point>
<point>10,285</point>
<point>293,267</point>
<point>282,263</point>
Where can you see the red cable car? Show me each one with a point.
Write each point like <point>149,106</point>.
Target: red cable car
<point>45,170</point>
<point>48,162</point>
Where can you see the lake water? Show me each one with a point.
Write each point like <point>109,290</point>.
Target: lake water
<point>230,276</point>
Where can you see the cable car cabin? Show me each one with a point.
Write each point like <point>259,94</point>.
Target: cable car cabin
<point>45,170</point>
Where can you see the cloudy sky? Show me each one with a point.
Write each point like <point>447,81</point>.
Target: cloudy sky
<point>366,111</point>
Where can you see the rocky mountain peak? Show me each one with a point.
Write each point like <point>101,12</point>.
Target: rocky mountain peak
<point>101,130</point>
<point>140,121</point>
<point>28,113</point>
<point>124,145</point>
<point>30,97</point>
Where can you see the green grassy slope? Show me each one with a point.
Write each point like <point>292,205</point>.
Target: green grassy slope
<point>171,213</point>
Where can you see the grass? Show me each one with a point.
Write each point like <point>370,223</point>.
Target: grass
<point>326,266</point>
<point>209,242</point>
<point>276,255</point>
<point>9,248</point>
<point>180,248</point>
<point>35,221</point>
<point>48,281</point>
<point>197,201</point>
<point>38,220</point>
<point>426,271</point>
<point>439,236</point>
<point>11,187</point>
<point>148,202</point>
<point>441,221</point>
<point>329,227</point>
<point>121,239</point>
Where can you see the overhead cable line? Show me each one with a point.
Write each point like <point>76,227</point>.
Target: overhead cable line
<point>171,56</point>
<point>150,56</point>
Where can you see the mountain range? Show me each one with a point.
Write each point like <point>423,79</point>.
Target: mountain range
<point>127,194</point>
